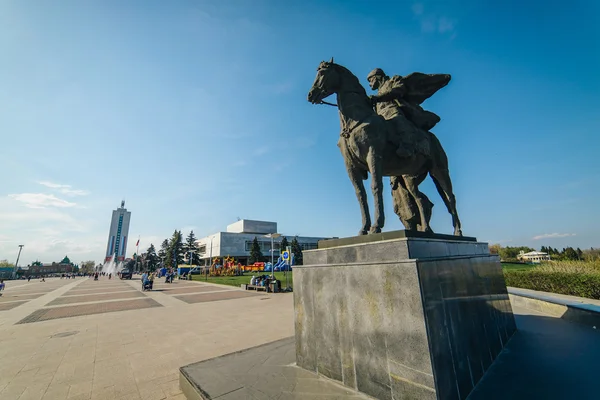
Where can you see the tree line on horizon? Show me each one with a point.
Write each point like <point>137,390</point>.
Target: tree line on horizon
<point>509,253</point>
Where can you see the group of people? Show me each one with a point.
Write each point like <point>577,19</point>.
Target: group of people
<point>147,280</point>
<point>265,280</point>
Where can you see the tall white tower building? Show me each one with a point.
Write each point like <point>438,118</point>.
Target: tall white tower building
<point>117,236</point>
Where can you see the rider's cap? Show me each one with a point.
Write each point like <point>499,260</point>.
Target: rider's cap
<point>376,72</point>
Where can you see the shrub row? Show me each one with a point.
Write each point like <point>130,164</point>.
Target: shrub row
<point>574,284</point>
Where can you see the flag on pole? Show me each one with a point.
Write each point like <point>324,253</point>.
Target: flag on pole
<point>137,243</point>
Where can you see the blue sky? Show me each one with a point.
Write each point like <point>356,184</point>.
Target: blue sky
<point>195,113</point>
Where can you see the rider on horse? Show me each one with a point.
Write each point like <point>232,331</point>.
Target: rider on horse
<point>398,100</point>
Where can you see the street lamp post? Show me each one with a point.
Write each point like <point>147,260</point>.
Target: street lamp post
<point>190,271</point>
<point>273,236</point>
<point>209,261</point>
<point>17,263</point>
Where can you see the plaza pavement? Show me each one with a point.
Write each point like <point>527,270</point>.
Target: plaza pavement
<point>86,339</point>
<point>106,339</point>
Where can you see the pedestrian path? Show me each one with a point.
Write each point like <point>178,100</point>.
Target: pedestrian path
<point>78,341</point>
<point>190,292</point>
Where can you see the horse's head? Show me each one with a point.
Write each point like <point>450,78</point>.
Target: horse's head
<point>326,82</point>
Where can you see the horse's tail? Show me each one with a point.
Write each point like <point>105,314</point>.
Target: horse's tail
<point>438,155</point>
<point>439,170</point>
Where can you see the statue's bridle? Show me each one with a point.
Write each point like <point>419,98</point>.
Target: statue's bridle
<point>327,103</point>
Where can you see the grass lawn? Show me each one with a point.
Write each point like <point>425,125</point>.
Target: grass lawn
<point>517,267</point>
<point>238,280</point>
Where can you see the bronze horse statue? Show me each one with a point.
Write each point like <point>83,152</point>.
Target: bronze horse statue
<point>366,148</point>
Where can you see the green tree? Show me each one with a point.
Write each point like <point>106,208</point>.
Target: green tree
<point>296,251</point>
<point>6,264</point>
<point>130,264</point>
<point>255,253</point>
<point>570,254</point>
<point>175,251</point>
<point>191,245</point>
<point>495,249</point>
<point>284,244</point>
<point>511,253</point>
<point>88,266</point>
<point>151,259</point>
<point>162,253</point>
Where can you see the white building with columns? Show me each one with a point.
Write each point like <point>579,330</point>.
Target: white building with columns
<point>237,241</point>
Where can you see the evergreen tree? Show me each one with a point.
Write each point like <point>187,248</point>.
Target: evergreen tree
<point>296,251</point>
<point>152,259</point>
<point>544,249</point>
<point>255,253</point>
<point>175,251</point>
<point>162,253</point>
<point>579,254</point>
<point>130,264</point>
<point>191,245</point>
<point>284,244</point>
<point>570,254</point>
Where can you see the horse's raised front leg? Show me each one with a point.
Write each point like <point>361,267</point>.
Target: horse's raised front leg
<point>356,177</point>
<point>374,162</point>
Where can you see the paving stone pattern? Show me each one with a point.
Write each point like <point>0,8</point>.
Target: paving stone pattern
<point>93,291</point>
<point>95,297</point>
<point>89,351</point>
<point>204,297</point>
<point>11,305</point>
<point>4,299</point>
<point>88,309</point>
<point>197,289</point>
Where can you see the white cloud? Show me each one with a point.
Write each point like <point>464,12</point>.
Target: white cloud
<point>428,25</point>
<point>417,8</point>
<point>431,23</point>
<point>261,151</point>
<point>552,236</point>
<point>282,87</point>
<point>445,24</point>
<point>74,192</point>
<point>64,189</point>
<point>53,185</point>
<point>41,200</point>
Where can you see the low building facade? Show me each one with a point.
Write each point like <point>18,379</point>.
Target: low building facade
<point>535,257</point>
<point>237,241</point>
<point>37,269</point>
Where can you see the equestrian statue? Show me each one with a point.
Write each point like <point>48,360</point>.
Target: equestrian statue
<point>388,134</point>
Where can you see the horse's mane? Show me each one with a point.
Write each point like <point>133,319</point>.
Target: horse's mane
<point>352,78</point>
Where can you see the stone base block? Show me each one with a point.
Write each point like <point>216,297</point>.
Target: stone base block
<point>404,318</point>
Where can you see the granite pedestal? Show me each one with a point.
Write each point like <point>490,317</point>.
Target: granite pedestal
<point>401,316</point>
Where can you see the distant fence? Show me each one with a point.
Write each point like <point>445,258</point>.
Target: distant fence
<point>6,272</point>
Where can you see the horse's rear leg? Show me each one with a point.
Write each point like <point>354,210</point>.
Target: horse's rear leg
<point>443,184</point>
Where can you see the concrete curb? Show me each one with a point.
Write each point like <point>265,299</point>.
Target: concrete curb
<point>570,310</point>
